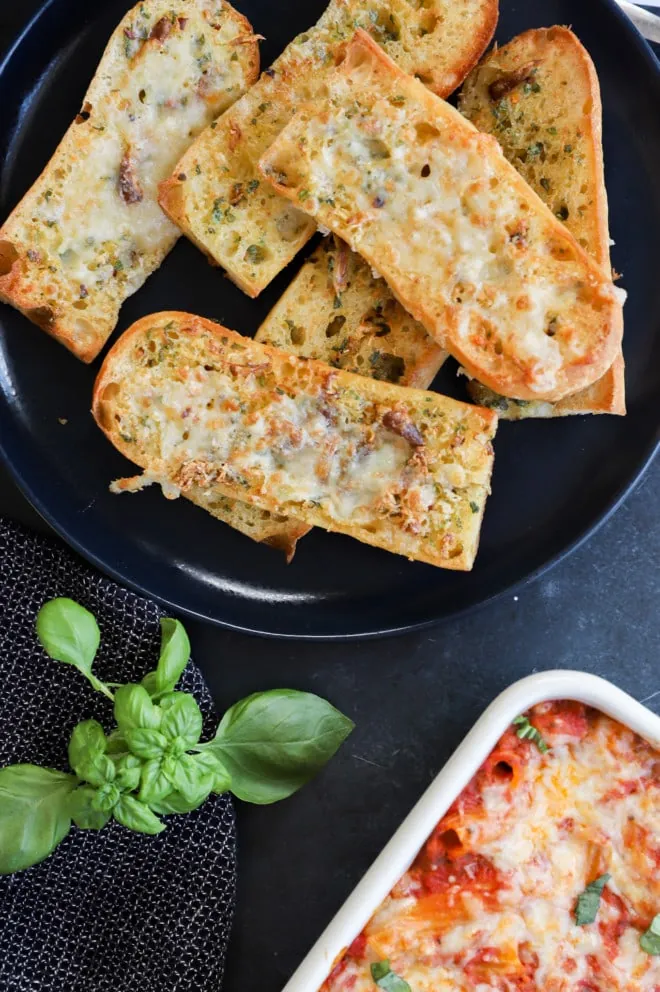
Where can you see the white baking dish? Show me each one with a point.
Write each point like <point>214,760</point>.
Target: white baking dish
<point>399,853</point>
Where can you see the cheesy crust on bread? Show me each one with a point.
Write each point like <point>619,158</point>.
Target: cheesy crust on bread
<point>90,230</point>
<point>539,96</point>
<point>216,194</point>
<point>339,312</point>
<point>464,244</point>
<point>195,404</point>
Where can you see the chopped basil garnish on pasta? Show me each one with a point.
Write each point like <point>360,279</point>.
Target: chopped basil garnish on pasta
<point>586,909</point>
<point>386,979</point>
<point>527,732</point>
<point>650,939</point>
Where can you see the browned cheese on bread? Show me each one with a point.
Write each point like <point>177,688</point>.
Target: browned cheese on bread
<point>90,230</point>
<point>463,242</point>
<point>216,194</point>
<point>196,405</point>
<point>338,311</point>
<point>539,96</point>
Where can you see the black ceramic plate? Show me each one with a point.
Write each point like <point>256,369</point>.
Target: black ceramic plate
<point>554,482</point>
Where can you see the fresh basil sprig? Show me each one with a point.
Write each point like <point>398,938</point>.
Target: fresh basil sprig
<point>386,979</point>
<point>153,763</point>
<point>588,902</point>
<point>273,742</point>
<point>650,939</point>
<point>526,731</point>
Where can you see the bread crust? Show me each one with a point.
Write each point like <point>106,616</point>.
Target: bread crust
<point>415,440</point>
<point>89,231</point>
<point>236,220</point>
<point>560,95</point>
<point>593,318</point>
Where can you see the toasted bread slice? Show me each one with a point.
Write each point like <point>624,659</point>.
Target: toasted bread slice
<point>463,242</point>
<point>198,405</point>
<point>216,195</point>
<point>338,311</point>
<point>90,231</point>
<point>539,96</point>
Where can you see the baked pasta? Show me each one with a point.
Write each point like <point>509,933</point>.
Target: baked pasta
<point>543,875</point>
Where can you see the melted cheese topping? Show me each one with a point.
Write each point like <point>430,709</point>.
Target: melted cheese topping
<point>298,447</point>
<point>490,901</point>
<point>400,468</point>
<point>427,201</point>
<point>94,226</point>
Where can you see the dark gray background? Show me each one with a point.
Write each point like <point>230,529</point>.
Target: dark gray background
<point>412,698</point>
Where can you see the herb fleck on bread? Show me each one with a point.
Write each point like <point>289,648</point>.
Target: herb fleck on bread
<point>197,405</point>
<point>216,194</point>
<point>90,231</point>
<point>539,96</point>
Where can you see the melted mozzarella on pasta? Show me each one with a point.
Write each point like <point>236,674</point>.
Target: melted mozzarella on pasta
<point>490,901</point>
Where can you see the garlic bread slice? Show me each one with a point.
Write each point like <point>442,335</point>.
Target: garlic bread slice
<point>90,230</point>
<point>539,96</point>
<point>197,405</point>
<point>463,242</point>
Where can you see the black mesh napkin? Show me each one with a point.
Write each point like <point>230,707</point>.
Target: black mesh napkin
<point>108,911</point>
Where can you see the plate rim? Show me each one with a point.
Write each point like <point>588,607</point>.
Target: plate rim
<point>64,531</point>
<point>582,537</point>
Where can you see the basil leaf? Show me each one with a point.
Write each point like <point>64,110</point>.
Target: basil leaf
<point>87,754</point>
<point>182,717</point>
<point>97,770</point>
<point>154,784</point>
<point>174,654</point>
<point>87,740</point>
<point>137,816</point>
<point>129,769</point>
<point>221,776</point>
<point>526,731</point>
<point>149,683</point>
<point>650,939</point>
<point>105,798</point>
<point>176,803</point>
<point>588,902</point>
<point>273,742</point>
<point>69,633</point>
<point>115,743</point>
<point>83,813</point>
<point>34,814</point>
<point>146,743</point>
<point>191,778</point>
<point>134,708</point>
<point>386,979</point>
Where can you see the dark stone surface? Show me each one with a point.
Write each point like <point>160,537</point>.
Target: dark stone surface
<point>412,698</point>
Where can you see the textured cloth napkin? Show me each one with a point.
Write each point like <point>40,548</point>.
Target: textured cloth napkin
<point>109,911</point>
